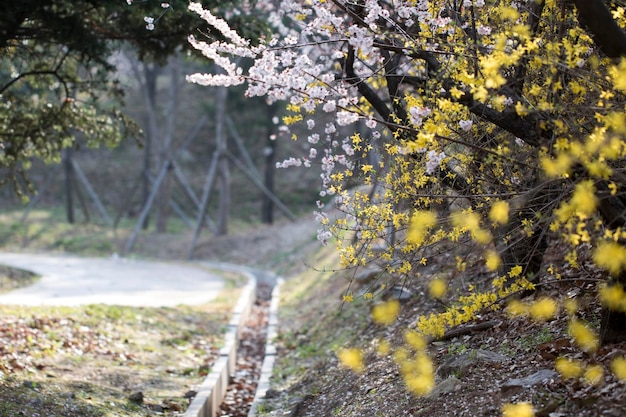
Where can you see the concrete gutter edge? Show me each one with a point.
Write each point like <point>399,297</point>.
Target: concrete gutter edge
<point>270,351</point>
<point>212,391</point>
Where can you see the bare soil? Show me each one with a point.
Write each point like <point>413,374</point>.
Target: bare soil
<point>309,381</point>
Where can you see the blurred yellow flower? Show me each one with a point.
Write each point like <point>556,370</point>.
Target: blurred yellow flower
<point>584,199</point>
<point>437,288</point>
<point>499,212</point>
<point>543,309</point>
<point>492,260</point>
<point>386,313</point>
<point>351,358</point>
<point>593,374</point>
<point>610,255</point>
<point>421,222</point>
<point>518,410</point>
<point>517,308</point>
<point>569,368</point>
<point>618,366</point>
<point>383,348</point>
<point>584,337</point>
<point>613,297</point>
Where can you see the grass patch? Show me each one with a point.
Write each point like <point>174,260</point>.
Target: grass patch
<point>315,293</point>
<point>14,278</point>
<point>91,360</point>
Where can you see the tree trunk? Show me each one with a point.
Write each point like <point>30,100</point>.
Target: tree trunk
<point>67,166</point>
<point>151,74</point>
<point>223,184</point>
<point>267,205</point>
<point>527,249</point>
<point>613,211</point>
<point>165,193</point>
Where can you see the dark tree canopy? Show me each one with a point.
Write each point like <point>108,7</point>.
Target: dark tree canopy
<point>57,79</point>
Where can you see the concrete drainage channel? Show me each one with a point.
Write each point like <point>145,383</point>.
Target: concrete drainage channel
<point>213,390</point>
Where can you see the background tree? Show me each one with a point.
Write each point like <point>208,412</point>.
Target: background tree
<point>57,78</point>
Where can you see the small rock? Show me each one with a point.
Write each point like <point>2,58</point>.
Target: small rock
<point>446,386</point>
<point>32,385</point>
<point>136,397</point>
<point>366,275</point>
<point>190,394</point>
<point>272,393</point>
<point>458,364</point>
<point>399,293</point>
<point>537,378</point>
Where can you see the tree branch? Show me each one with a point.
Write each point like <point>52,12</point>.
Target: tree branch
<point>596,17</point>
<point>365,90</point>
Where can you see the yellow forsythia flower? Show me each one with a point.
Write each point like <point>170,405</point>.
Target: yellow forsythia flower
<point>415,339</point>
<point>421,222</point>
<point>586,339</point>
<point>420,385</point>
<point>584,199</point>
<point>383,348</point>
<point>386,313</point>
<point>351,358</point>
<point>517,308</point>
<point>492,260</point>
<point>556,167</point>
<point>610,255</point>
<point>613,297</point>
<point>518,410</point>
<point>569,368</point>
<point>571,306</point>
<point>543,309</point>
<point>593,374</point>
<point>499,212</point>
<point>437,288</point>
<point>618,366</point>
<point>515,271</point>
<point>618,75</point>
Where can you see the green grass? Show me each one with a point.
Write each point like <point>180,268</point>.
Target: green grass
<point>14,278</point>
<point>87,360</point>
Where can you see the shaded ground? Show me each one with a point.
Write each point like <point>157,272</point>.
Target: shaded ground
<point>104,360</point>
<point>477,371</point>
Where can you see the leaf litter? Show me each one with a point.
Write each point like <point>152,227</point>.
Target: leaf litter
<point>104,360</point>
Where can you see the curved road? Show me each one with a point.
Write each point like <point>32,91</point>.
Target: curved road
<point>72,280</point>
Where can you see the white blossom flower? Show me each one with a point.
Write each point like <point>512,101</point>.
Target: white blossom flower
<point>417,114</point>
<point>433,159</point>
<point>345,118</point>
<point>483,30</point>
<point>466,125</point>
<point>329,106</point>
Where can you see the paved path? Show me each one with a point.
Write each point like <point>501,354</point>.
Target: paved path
<point>71,280</point>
